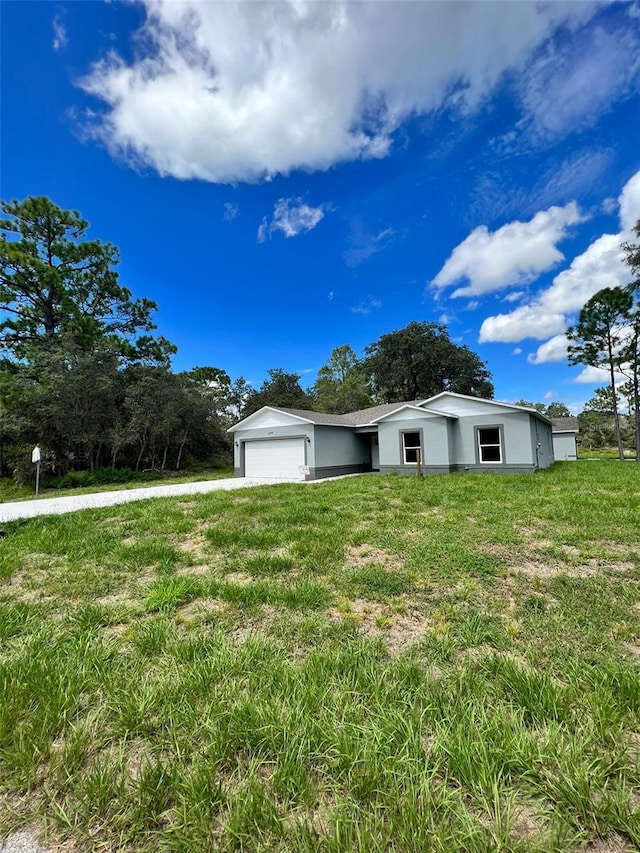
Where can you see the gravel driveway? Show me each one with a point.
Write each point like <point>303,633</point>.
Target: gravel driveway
<point>59,506</point>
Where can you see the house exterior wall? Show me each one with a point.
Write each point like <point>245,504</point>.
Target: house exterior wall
<point>542,442</point>
<point>516,441</point>
<point>339,450</point>
<point>565,446</point>
<point>435,444</point>
<point>301,430</point>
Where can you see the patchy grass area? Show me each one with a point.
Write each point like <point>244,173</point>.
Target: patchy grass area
<point>376,663</point>
<point>9,491</point>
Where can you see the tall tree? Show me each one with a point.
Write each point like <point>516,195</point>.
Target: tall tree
<point>540,407</point>
<point>279,389</point>
<point>632,259</point>
<point>420,361</point>
<point>631,358</point>
<point>53,281</point>
<point>599,336</point>
<point>342,385</point>
<point>557,410</point>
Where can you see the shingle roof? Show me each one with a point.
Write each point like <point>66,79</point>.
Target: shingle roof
<point>564,424</point>
<point>359,418</point>
<point>366,416</point>
<point>317,417</point>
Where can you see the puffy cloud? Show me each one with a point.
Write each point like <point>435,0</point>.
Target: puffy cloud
<point>600,265</point>
<point>597,376</point>
<point>515,254</point>
<point>528,321</point>
<point>291,216</point>
<point>516,351</point>
<point>231,92</point>
<point>630,203</point>
<point>553,350</point>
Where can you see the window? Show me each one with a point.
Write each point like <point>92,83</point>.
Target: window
<point>410,447</point>
<point>489,444</point>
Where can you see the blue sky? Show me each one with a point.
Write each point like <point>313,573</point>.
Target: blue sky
<point>286,178</point>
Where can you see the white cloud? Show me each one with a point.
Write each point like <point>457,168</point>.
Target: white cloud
<point>551,351</point>
<point>514,296</point>
<point>571,83</point>
<point>367,305</point>
<point>599,266</point>
<point>630,203</point>
<point>231,92</point>
<point>231,211</point>
<point>60,39</point>
<point>291,216</point>
<point>597,376</point>
<point>515,254</point>
<point>472,304</point>
<point>516,351</point>
<point>549,395</point>
<point>528,321</point>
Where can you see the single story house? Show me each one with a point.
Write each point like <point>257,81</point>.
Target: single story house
<point>451,432</point>
<point>565,439</point>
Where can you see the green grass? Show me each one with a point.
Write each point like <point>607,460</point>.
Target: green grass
<point>9,491</point>
<point>370,664</point>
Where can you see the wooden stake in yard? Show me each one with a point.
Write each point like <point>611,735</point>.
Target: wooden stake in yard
<point>418,464</point>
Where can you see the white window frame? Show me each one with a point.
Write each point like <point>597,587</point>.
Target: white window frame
<point>417,446</point>
<point>481,445</point>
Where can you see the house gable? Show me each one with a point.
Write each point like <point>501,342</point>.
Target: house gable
<point>465,406</point>
<point>268,417</point>
<point>409,412</point>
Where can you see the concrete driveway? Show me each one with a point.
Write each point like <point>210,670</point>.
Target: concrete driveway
<point>59,506</point>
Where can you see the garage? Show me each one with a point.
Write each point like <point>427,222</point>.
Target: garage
<point>282,457</point>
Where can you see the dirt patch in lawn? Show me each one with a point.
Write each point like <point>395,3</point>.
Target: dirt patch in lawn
<point>552,568</point>
<point>123,598</point>
<point>200,610</point>
<point>27,585</point>
<point>239,578</point>
<point>357,556</point>
<point>536,565</point>
<point>634,649</point>
<point>612,843</point>
<point>398,631</point>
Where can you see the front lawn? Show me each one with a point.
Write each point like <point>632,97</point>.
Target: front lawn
<point>378,663</point>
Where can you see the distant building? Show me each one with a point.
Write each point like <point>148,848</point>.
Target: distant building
<point>565,439</point>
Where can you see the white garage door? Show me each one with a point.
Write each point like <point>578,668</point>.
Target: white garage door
<point>274,458</point>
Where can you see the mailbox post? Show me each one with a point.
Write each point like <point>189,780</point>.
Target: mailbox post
<point>35,457</point>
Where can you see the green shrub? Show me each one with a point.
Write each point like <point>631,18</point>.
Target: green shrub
<point>99,477</point>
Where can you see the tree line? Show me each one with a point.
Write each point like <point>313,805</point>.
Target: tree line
<point>607,335</point>
<point>83,375</point>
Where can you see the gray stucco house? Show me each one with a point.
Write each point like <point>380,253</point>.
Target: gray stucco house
<point>453,432</point>
<point>565,439</point>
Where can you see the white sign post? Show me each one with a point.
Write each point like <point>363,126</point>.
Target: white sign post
<point>35,457</point>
